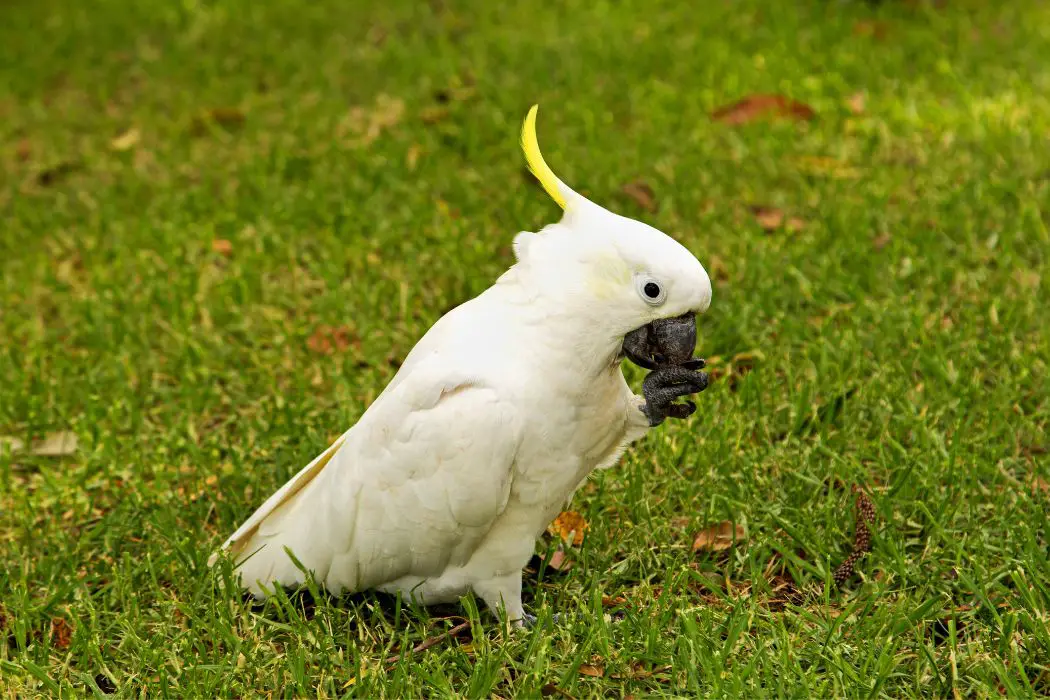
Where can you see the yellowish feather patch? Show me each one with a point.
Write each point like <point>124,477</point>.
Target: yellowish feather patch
<point>534,158</point>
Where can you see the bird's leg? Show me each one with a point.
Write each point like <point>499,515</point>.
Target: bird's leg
<point>504,592</point>
<point>665,384</point>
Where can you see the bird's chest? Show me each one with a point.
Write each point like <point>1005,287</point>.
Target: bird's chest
<point>577,435</point>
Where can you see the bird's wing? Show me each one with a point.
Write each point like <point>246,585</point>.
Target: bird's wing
<point>409,490</point>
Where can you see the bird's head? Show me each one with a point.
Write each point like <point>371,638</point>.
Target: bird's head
<point>628,280</point>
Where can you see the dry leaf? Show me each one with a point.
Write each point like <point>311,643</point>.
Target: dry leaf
<point>57,444</point>
<point>719,537</point>
<point>61,633</point>
<point>641,194</point>
<point>326,340</point>
<point>874,29</point>
<point>755,107</point>
<point>559,562</point>
<point>125,140</point>
<point>591,670</point>
<point>856,103</point>
<point>569,527</point>
<point>1040,485</point>
<point>771,219</point>
<point>222,246</point>
<point>612,602</point>
<point>881,241</point>
<point>23,150</point>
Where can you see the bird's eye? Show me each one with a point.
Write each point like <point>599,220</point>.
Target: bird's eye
<point>650,290</point>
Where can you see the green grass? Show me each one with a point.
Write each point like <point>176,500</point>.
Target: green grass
<point>899,338</point>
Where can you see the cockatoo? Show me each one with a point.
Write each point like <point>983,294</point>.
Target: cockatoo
<point>496,417</point>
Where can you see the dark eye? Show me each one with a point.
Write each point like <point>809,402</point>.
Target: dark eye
<point>652,290</point>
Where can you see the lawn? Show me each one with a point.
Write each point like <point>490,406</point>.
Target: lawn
<point>222,224</point>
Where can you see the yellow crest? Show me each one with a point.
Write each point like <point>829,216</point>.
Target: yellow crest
<point>534,158</point>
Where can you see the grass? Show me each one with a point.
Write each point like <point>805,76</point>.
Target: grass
<point>362,164</point>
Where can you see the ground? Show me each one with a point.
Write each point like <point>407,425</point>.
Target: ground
<point>224,223</point>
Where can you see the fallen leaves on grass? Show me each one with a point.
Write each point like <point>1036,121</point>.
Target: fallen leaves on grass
<point>641,194</point>
<point>612,601</point>
<point>872,28</point>
<point>558,561</point>
<point>61,633</point>
<point>592,670</point>
<point>59,444</point>
<point>1040,485</point>
<point>881,241</point>
<point>327,339</point>
<point>126,140</point>
<point>222,247</point>
<point>23,150</point>
<point>772,219</point>
<point>719,537</point>
<point>754,107</point>
<point>569,527</point>
<point>856,103</point>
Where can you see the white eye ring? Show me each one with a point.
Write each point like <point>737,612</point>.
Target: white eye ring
<point>651,291</point>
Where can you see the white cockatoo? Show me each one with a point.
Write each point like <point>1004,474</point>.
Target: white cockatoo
<point>495,418</point>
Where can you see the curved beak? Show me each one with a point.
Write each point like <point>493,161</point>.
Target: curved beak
<point>665,341</point>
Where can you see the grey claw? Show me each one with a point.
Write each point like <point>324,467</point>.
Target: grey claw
<point>665,384</point>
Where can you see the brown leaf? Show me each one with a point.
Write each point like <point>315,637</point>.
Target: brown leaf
<point>126,140</point>
<point>559,561</point>
<point>719,537</point>
<point>771,219</point>
<point>569,527</point>
<point>1040,485</point>
<point>591,670</point>
<point>872,28</point>
<point>881,241</point>
<point>612,602</point>
<point>641,194</point>
<point>222,247</point>
<point>23,150</point>
<point>58,444</point>
<point>856,103</point>
<point>755,107</point>
<point>326,340</point>
<point>61,633</point>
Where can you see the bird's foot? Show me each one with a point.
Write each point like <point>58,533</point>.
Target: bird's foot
<point>665,384</point>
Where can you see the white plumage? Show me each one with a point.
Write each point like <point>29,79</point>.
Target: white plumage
<point>495,418</point>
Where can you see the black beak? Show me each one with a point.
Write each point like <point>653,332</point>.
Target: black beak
<point>665,341</point>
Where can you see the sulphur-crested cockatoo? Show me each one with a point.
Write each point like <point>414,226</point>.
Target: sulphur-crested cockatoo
<point>495,418</point>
